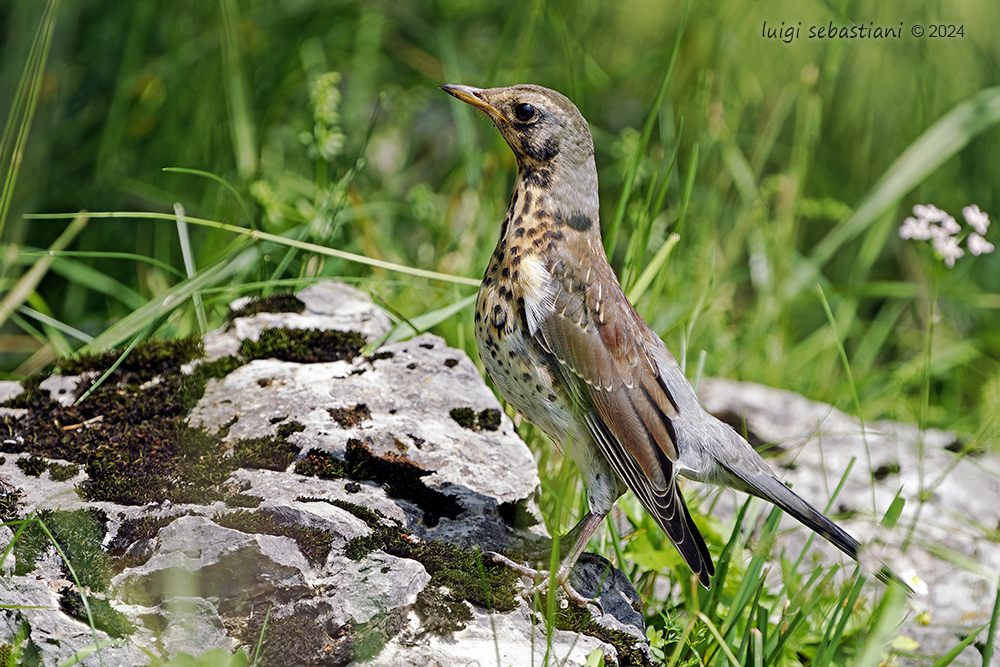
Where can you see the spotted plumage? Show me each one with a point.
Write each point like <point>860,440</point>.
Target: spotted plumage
<point>565,347</point>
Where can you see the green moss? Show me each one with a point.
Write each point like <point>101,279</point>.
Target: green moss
<point>579,620</point>
<point>350,417</point>
<point>456,575</point>
<point>105,617</point>
<point>32,466</point>
<point>243,500</point>
<point>275,303</point>
<point>132,439</point>
<point>145,361</point>
<point>79,533</point>
<point>131,531</point>
<point>8,505</point>
<point>31,390</point>
<point>317,463</point>
<point>384,354</point>
<point>314,543</point>
<point>488,419</point>
<point>61,473</point>
<point>192,387</point>
<point>305,346</point>
<point>288,428</point>
<point>466,417</point>
<point>371,517</point>
<point>298,640</point>
<point>269,453</point>
<point>400,477</point>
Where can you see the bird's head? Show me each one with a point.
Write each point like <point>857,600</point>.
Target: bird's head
<point>541,126</point>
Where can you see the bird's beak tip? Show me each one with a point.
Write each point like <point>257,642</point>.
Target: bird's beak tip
<point>471,96</point>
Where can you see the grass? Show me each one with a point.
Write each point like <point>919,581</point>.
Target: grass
<point>244,148</point>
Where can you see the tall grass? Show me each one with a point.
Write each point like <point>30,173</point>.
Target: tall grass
<point>307,140</point>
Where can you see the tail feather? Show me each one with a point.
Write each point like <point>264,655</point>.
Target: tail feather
<point>770,488</point>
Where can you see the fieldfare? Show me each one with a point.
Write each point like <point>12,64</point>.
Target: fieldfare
<point>564,346</point>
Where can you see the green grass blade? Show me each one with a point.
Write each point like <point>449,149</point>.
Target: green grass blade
<point>22,111</point>
<point>131,256</point>
<point>80,655</point>
<point>950,656</point>
<point>723,646</point>
<point>991,635</point>
<point>417,325</point>
<point>850,383</point>
<point>651,271</point>
<point>221,181</point>
<point>835,626</point>
<point>188,255</point>
<point>29,281</point>
<point>80,588</point>
<point>56,324</point>
<point>274,238</point>
<point>790,627</point>
<point>887,616</point>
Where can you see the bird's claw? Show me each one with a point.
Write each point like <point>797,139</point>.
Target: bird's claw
<point>540,581</point>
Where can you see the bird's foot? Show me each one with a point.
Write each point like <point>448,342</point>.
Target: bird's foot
<point>540,580</point>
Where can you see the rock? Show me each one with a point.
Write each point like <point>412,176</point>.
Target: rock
<point>328,305</point>
<point>341,564</point>
<point>488,639</point>
<point>957,565</point>
<point>190,624</point>
<point>195,557</point>
<point>47,635</point>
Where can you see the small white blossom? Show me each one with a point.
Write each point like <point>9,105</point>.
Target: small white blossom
<point>978,245</point>
<point>914,228</point>
<point>929,213</point>
<point>947,247</point>
<point>950,226</point>
<point>918,585</point>
<point>976,219</point>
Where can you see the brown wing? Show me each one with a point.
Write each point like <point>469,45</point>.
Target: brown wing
<point>599,342</point>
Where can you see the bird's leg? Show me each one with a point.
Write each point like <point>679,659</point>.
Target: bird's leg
<point>584,530</point>
<point>537,548</point>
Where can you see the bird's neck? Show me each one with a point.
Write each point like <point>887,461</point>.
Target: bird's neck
<point>565,197</point>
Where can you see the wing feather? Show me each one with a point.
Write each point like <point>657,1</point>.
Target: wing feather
<point>599,342</point>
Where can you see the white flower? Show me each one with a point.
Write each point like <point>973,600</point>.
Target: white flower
<point>932,224</point>
<point>947,247</point>
<point>918,585</point>
<point>929,213</point>
<point>950,226</point>
<point>914,228</point>
<point>978,245</point>
<point>977,220</point>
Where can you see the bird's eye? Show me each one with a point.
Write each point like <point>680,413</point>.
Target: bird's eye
<point>524,112</point>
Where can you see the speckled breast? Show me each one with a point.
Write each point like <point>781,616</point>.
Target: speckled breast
<point>516,362</point>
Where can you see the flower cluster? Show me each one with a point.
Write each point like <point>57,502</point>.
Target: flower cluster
<point>932,224</point>
<point>326,141</point>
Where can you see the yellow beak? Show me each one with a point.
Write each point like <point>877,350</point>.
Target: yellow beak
<point>471,96</point>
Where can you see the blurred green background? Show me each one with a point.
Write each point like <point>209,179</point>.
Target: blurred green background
<point>787,167</point>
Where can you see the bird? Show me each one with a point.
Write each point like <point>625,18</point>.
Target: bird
<point>565,347</point>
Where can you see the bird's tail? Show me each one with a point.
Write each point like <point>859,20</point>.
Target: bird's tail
<point>768,487</point>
